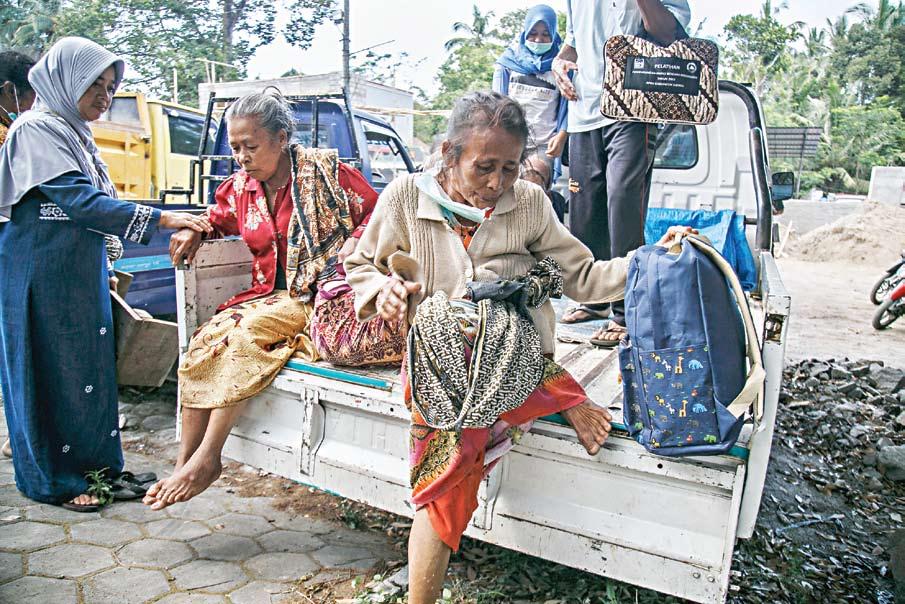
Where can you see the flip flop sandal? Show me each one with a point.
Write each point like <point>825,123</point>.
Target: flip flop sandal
<point>593,314</point>
<point>140,479</point>
<point>81,508</point>
<point>127,493</point>
<point>610,343</point>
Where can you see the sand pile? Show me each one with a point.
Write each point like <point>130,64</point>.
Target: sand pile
<point>876,235</point>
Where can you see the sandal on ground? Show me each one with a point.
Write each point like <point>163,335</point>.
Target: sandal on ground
<point>590,314</point>
<point>82,508</point>
<point>610,336</point>
<point>139,479</point>
<point>128,486</point>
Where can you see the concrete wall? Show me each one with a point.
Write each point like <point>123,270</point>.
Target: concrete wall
<point>887,185</point>
<point>363,93</point>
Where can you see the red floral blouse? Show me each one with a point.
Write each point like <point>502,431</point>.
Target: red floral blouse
<point>241,209</point>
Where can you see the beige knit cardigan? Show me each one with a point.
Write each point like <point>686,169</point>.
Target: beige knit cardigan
<point>409,237</point>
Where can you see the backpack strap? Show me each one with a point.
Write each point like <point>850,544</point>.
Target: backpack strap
<point>753,391</point>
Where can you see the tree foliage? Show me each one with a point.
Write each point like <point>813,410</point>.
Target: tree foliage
<point>157,36</point>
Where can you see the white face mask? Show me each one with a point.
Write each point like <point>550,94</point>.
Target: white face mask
<point>427,184</point>
<point>539,48</point>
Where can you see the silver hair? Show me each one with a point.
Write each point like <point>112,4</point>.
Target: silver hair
<point>271,110</point>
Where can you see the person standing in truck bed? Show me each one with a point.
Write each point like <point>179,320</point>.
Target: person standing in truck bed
<point>610,162</point>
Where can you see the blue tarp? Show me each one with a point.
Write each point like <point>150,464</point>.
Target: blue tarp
<point>725,230</point>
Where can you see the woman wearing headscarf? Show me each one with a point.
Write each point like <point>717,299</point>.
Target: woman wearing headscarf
<point>523,73</point>
<point>57,353</point>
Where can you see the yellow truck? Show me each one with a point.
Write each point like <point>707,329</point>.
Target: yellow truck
<point>148,145</point>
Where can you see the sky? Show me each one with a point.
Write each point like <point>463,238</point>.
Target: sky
<point>420,27</point>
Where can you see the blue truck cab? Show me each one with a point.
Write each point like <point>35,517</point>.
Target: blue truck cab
<point>363,140</point>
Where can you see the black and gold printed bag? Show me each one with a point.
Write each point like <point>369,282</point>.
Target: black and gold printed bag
<point>646,82</point>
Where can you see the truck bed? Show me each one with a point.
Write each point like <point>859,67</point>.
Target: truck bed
<point>668,524</point>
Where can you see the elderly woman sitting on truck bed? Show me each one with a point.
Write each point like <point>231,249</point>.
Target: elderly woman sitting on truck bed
<point>477,375</point>
<point>300,212</point>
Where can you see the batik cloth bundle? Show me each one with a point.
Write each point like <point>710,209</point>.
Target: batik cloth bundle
<point>646,82</point>
<point>320,222</point>
<point>452,390</point>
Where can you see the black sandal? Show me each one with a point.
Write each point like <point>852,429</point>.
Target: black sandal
<point>82,508</point>
<point>608,343</point>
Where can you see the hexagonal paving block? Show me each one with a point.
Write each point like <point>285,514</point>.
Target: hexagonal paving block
<point>185,598</point>
<point>154,553</point>
<point>261,591</point>
<point>341,555</point>
<point>118,585</point>
<point>220,546</point>
<point>29,536</point>
<point>58,514</point>
<point>105,532</point>
<point>289,541</point>
<point>7,479</point>
<point>241,524</point>
<point>307,525</point>
<point>39,589</point>
<point>133,511</point>
<point>282,567</point>
<point>206,575</point>
<point>69,561</point>
<point>197,508</point>
<point>10,566</point>
<point>176,529</point>
<point>10,495</point>
<point>257,506</point>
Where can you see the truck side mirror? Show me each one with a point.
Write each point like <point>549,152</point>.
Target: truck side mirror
<point>783,187</point>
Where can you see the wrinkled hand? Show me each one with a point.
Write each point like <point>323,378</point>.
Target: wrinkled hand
<point>557,144</point>
<point>392,302</point>
<point>674,235</point>
<point>347,249</point>
<point>184,243</point>
<point>183,220</point>
<point>561,69</point>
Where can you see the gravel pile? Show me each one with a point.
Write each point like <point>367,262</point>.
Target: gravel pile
<point>829,529</point>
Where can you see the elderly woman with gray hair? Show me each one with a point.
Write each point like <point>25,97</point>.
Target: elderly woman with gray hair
<point>57,353</point>
<point>469,256</point>
<point>300,212</point>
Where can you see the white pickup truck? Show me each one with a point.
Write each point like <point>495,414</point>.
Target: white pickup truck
<point>667,524</point>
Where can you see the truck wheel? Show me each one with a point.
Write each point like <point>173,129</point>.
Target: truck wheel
<point>886,314</point>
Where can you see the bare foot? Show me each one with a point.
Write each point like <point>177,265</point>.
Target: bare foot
<point>591,423</point>
<point>191,479</point>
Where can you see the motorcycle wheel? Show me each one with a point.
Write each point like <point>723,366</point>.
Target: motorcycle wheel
<point>880,289</point>
<point>886,315</point>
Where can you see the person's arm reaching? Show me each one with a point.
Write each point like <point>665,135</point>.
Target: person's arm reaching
<point>662,18</point>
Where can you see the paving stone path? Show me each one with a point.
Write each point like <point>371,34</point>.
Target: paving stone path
<point>219,548</point>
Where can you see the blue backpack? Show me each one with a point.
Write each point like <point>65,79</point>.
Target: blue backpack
<point>686,383</point>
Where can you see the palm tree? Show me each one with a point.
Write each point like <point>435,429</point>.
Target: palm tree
<point>882,18</point>
<point>477,34</point>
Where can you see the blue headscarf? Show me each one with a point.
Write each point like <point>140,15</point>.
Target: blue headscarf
<point>521,60</point>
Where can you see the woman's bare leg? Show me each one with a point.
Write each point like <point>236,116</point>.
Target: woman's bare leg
<point>428,560</point>
<point>194,425</point>
<point>203,466</point>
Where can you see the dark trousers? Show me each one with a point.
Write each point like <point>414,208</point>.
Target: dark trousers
<point>610,171</point>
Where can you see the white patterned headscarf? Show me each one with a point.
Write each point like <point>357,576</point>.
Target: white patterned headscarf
<point>53,138</point>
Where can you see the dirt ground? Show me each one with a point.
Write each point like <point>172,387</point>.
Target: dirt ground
<point>831,313</point>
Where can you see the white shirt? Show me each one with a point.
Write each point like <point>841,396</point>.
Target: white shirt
<point>590,23</point>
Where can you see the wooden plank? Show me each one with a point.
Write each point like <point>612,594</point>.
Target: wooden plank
<point>146,348</point>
